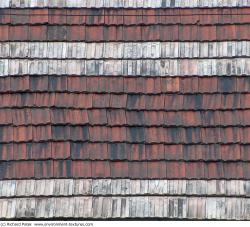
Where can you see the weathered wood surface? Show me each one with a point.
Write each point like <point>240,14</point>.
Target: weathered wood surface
<point>123,3</point>
<point>76,187</point>
<point>121,50</point>
<point>206,67</point>
<point>229,208</point>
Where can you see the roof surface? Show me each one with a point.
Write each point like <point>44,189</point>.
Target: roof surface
<point>125,109</point>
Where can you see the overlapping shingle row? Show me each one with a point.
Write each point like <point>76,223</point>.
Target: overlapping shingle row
<point>152,67</point>
<point>100,33</point>
<point>171,102</point>
<point>100,16</point>
<point>123,151</point>
<point>117,117</point>
<point>129,85</point>
<point>125,187</point>
<point>132,134</point>
<point>125,169</point>
<point>135,207</point>
<point>124,50</point>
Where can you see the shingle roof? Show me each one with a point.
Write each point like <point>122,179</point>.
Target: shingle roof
<point>125,96</point>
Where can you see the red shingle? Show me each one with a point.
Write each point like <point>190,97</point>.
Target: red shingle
<point>76,33</point>
<point>18,17</point>
<point>18,33</point>
<point>63,169</point>
<point>6,152</point>
<point>138,170</point>
<point>5,16</point>
<point>98,151</point>
<point>44,169</point>
<point>60,150</point>
<point>57,16</point>
<point>76,16</point>
<point>5,84</point>
<point>120,169</point>
<point>38,33</point>
<point>38,16</point>
<point>101,169</point>
<point>94,33</point>
<point>156,169</point>
<point>6,117</point>
<point>155,152</point>
<point>24,169</point>
<point>82,168</point>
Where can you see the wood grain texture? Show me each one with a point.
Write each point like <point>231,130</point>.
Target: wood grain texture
<point>201,67</point>
<point>128,187</point>
<point>121,50</point>
<point>165,207</point>
<point>122,3</point>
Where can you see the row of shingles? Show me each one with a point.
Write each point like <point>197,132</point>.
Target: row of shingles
<point>97,32</point>
<point>122,4</point>
<point>121,207</point>
<point>125,85</point>
<point>117,134</point>
<point>165,208</point>
<point>124,33</point>
<point>122,152</point>
<point>125,169</point>
<point>115,117</point>
<point>124,187</point>
<point>125,16</point>
<point>148,68</point>
<point>124,50</point>
<point>164,102</point>
<point>131,67</point>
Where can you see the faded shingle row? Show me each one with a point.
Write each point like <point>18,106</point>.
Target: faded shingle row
<point>125,187</point>
<point>123,3</point>
<point>121,50</point>
<point>164,67</point>
<point>126,207</point>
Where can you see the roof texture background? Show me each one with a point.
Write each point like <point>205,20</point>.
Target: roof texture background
<point>125,109</point>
